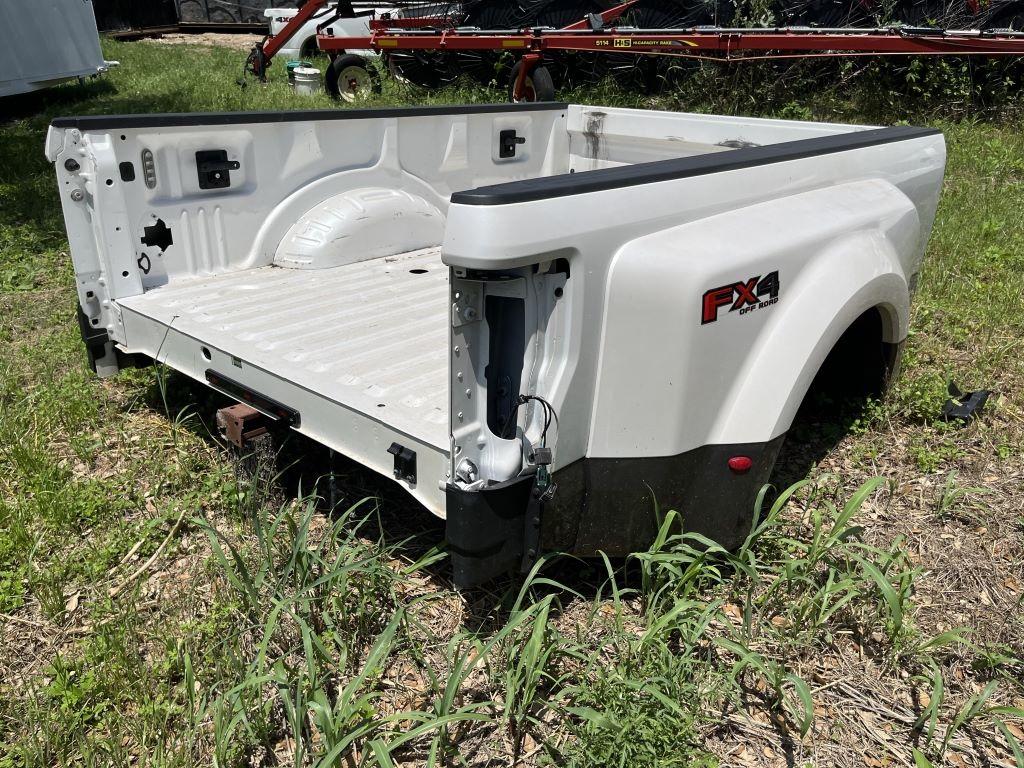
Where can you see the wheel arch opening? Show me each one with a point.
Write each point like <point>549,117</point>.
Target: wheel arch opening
<point>856,372</point>
<point>309,48</point>
<point>862,362</point>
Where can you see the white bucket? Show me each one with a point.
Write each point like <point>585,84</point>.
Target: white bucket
<point>307,80</point>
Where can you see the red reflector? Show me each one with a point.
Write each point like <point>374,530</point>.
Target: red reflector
<point>740,464</point>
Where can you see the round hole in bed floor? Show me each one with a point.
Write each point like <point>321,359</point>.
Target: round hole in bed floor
<point>417,271</point>
<point>380,405</point>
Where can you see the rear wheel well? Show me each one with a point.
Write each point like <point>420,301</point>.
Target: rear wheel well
<point>858,369</point>
<point>309,49</point>
<point>860,364</point>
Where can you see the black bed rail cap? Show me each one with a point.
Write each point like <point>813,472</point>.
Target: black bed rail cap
<point>186,119</point>
<point>683,167</point>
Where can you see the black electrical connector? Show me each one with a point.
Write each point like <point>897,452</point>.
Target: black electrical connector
<point>549,416</point>
<point>544,488</point>
<point>541,456</point>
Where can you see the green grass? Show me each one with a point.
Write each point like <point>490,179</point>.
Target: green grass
<point>161,603</point>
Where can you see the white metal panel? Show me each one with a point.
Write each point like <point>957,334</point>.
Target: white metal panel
<point>292,50</point>
<point>360,436</point>
<point>372,336</point>
<point>45,41</point>
<point>286,169</point>
<point>359,225</point>
<point>740,379</point>
<point>606,137</point>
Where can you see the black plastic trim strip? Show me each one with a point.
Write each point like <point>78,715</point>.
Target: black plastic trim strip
<point>181,119</point>
<point>563,185</point>
<point>484,529</point>
<point>95,339</point>
<point>243,394</point>
<point>607,505</point>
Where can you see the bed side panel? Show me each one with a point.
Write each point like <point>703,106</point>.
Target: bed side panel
<point>712,329</point>
<point>589,228</point>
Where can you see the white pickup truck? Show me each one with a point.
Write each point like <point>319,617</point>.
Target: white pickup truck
<point>302,44</point>
<point>540,319</point>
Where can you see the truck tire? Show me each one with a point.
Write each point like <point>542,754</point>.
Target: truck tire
<point>349,77</point>
<point>538,85</point>
<point>310,50</point>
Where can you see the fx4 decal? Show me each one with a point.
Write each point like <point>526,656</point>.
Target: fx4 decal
<point>744,296</point>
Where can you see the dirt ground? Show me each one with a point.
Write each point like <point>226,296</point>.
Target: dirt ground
<point>238,42</point>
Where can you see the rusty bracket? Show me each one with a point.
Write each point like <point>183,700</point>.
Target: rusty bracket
<point>242,425</point>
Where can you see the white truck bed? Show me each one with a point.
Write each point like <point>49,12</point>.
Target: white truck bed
<point>476,300</point>
<point>372,336</point>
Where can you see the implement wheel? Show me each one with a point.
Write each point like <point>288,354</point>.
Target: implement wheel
<point>537,85</point>
<point>349,77</point>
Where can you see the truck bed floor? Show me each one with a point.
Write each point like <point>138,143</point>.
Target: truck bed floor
<point>372,336</point>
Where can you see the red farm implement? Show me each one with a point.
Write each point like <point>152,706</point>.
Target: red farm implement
<point>603,36</point>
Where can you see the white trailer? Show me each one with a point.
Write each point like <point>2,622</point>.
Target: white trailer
<point>487,303</point>
<point>46,42</point>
